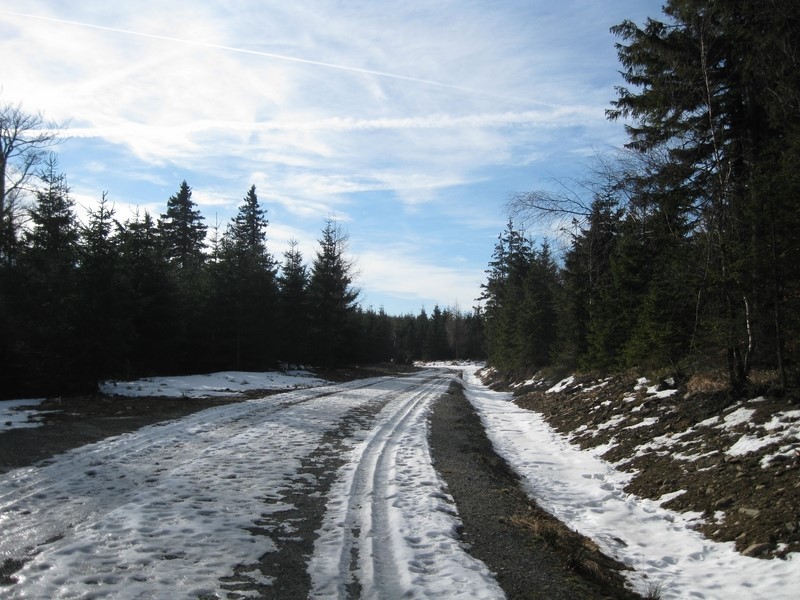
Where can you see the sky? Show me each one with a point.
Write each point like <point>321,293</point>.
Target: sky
<point>411,123</point>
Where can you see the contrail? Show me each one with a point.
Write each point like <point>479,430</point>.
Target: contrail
<point>283,57</point>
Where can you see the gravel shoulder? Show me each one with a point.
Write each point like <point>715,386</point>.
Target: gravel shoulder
<point>532,554</point>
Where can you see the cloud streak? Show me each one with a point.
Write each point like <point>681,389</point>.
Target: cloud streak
<point>271,55</point>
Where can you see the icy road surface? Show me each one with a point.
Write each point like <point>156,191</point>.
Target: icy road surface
<point>168,511</point>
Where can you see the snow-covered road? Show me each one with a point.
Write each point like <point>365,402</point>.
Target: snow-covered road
<point>170,510</point>
<point>331,487</point>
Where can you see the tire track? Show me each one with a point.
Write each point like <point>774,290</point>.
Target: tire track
<point>358,529</point>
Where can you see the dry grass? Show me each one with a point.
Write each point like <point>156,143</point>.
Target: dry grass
<point>550,531</point>
<point>581,553</point>
<point>653,590</point>
<point>710,382</point>
<point>707,382</point>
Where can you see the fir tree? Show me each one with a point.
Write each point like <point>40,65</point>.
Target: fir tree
<point>294,306</point>
<point>48,298</point>
<point>332,298</point>
<point>182,230</point>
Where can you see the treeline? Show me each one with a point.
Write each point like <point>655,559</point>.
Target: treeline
<point>82,302</point>
<point>685,254</point>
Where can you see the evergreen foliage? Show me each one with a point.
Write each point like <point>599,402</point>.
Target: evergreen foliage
<point>245,291</point>
<point>47,301</point>
<point>182,230</point>
<point>294,306</point>
<point>685,259</point>
<point>332,298</point>
<point>104,299</point>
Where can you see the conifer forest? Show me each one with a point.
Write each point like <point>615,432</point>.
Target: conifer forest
<point>677,253</point>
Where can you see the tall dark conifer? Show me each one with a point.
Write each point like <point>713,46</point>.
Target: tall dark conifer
<point>183,230</point>
<point>183,233</point>
<point>105,307</point>
<point>48,296</point>
<point>332,298</point>
<point>246,290</point>
<point>294,306</point>
<point>695,96</point>
<point>154,311</point>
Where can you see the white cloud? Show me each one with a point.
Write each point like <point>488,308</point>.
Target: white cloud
<point>396,271</point>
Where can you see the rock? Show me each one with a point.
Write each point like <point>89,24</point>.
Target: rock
<point>756,549</point>
<point>723,502</point>
<point>751,512</point>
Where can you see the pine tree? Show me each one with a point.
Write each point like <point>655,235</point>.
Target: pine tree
<point>698,96</point>
<point>246,289</point>
<point>332,298</point>
<point>294,306</point>
<point>183,231</point>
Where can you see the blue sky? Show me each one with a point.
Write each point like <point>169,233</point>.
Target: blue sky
<point>410,122</point>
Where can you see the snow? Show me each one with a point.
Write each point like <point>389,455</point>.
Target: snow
<point>586,493</point>
<point>740,416</point>
<point>226,383</point>
<point>391,490</point>
<point>18,414</point>
<point>170,510</point>
<point>751,443</point>
<point>561,385</point>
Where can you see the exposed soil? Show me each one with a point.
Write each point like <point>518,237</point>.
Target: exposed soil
<point>685,441</point>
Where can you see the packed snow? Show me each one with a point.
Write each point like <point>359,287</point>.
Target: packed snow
<point>170,510</point>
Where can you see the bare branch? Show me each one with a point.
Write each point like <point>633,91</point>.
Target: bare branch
<point>24,142</point>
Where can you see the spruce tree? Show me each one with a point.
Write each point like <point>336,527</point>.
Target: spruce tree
<point>48,294</point>
<point>183,235</point>
<point>503,294</point>
<point>332,298</point>
<point>105,307</point>
<point>294,306</point>
<point>246,289</point>
<point>183,231</point>
<point>698,94</point>
<point>154,309</point>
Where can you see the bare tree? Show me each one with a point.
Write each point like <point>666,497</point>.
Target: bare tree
<point>24,142</point>
<point>568,207</point>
